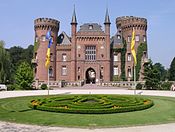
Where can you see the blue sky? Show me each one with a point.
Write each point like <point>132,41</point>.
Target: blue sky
<point>17,18</point>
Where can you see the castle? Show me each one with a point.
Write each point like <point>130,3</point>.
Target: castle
<point>90,53</point>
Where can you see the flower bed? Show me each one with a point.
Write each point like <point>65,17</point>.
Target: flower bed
<point>91,104</point>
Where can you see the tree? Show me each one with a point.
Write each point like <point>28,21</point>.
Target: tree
<point>162,71</point>
<point>172,70</point>
<point>4,64</point>
<point>18,55</point>
<point>24,76</point>
<point>27,54</point>
<point>152,76</point>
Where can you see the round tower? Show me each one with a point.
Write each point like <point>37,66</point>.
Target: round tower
<point>125,25</point>
<point>41,27</point>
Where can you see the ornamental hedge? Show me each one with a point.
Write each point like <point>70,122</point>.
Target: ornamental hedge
<point>91,104</point>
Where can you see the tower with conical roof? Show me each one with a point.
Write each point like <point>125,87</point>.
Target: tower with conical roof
<point>107,33</point>
<point>73,45</point>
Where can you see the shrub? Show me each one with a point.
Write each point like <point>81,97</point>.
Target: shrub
<point>91,104</point>
<point>166,85</point>
<point>43,86</point>
<point>11,87</point>
<point>139,86</point>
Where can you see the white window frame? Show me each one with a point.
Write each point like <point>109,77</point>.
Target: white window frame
<point>43,38</point>
<point>129,38</point>
<point>129,72</point>
<point>137,38</point>
<point>144,38</point>
<point>116,71</point>
<point>90,53</point>
<point>129,57</point>
<point>63,70</point>
<point>64,57</point>
<point>115,57</point>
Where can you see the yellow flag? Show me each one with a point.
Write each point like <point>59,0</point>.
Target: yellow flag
<point>132,47</point>
<point>47,63</point>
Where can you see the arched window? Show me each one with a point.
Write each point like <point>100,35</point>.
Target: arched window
<point>36,39</point>
<point>64,57</point>
<point>129,56</point>
<point>129,72</point>
<point>43,38</point>
<point>50,72</point>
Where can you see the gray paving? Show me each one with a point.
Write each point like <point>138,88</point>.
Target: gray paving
<point>13,127</point>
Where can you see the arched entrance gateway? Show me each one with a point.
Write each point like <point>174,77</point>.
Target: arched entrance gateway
<point>90,76</point>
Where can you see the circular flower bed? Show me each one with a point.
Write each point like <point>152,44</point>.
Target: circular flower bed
<point>91,104</point>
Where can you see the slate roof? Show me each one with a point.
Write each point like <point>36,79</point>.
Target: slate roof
<point>90,27</point>
<point>64,39</point>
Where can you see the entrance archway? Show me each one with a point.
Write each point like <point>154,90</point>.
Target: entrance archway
<point>90,76</point>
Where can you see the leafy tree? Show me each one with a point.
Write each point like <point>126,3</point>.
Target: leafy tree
<point>24,76</point>
<point>162,71</point>
<point>172,70</point>
<point>28,54</point>
<point>18,55</point>
<point>152,76</point>
<point>4,64</point>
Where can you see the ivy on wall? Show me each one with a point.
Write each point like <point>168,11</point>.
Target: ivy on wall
<point>36,46</point>
<point>123,53</point>
<point>140,50</point>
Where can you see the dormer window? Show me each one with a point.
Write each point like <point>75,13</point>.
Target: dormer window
<point>118,37</point>
<point>90,27</point>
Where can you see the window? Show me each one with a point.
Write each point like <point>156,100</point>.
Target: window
<point>129,56</point>
<point>137,38</point>
<point>78,77</point>
<point>36,55</point>
<point>116,57</point>
<point>64,57</point>
<point>51,56</point>
<point>50,72</point>
<point>129,72</point>
<point>90,53</point>
<point>36,39</point>
<point>43,38</point>
<point>78,69</point>
<point>116,71</point>
<point>64,70</point>
<point>144,54</point>
<point>129,38</point>
<point>35,70</point>
<point>118,37</point>
<point>90,27</point>
<point>144,38</point>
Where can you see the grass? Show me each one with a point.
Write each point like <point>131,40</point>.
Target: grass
<point>17,110</point>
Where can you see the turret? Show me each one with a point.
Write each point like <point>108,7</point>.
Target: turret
<point>107,33</point>
<point>126,24</point>
<point>73,46</point>
<point>41,27</point>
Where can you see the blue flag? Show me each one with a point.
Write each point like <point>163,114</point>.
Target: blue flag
<point>48,37</point>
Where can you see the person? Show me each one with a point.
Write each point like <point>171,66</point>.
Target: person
<point>173,87</point>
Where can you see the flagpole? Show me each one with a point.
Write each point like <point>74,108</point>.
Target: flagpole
<point>134,79</point>
<point>48,82</point>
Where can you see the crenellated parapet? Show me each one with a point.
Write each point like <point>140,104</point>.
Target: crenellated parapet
<point>46,23</point>
<point>129,22</point>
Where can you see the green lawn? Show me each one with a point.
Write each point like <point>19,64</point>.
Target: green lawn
<point>17,110</point>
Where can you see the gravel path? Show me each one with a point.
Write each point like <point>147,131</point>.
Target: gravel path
<point>13,127</point>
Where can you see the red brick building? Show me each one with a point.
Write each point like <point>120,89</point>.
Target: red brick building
<point>89,53</point>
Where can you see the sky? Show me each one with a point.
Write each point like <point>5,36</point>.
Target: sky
<point>17,20</point>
